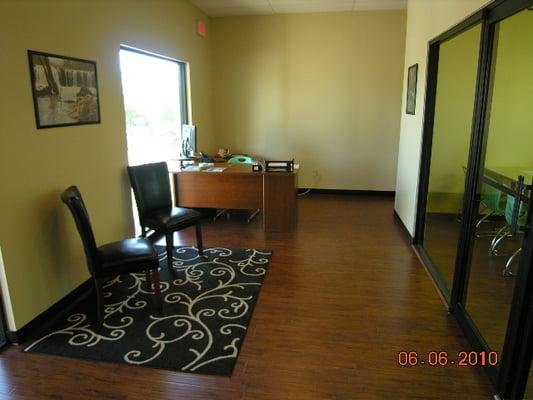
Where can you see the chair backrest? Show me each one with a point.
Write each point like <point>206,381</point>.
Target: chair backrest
<point>492,198</point>
<point>240,160</point>
<point>151,186</point>
<point>515,215</point>
<point>72,198</point>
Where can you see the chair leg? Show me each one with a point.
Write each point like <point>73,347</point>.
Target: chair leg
<point>500,235</point>
<point>170,247</point>
<point>148,280</point>
<point>199,242</point>
<point>253,215</point>
<point>157,288</point>
<point>509,263</point>
<point>483,218</point>
<point>220,213</point>
<point>99,300</point>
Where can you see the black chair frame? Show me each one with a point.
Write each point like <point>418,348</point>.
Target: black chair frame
<point>112,259</point>
<point>151,187</point>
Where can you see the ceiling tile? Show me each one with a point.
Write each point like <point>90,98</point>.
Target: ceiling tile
<point>217,8</point>
<point>305,6</point>
<point>228,3</point>
<point>361,5</point>
<point>227,11</point>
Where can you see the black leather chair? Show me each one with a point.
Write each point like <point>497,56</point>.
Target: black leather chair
<point>124,256</point>
<point>151,186</point>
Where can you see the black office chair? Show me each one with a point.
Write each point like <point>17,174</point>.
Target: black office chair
<point>112,259</point>
<point>151,186</point>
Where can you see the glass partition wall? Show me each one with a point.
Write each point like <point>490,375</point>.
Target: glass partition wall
<point>508,161</point>
<point>476,179</point>
<point>454,105</point>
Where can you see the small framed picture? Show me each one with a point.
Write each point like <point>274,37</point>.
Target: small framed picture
<point>412,75</point>
<point>65,90</point>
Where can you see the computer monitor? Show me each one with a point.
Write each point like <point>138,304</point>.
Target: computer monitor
<point>188,140</point>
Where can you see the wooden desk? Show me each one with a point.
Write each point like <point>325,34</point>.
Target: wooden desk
<point>240,188</point>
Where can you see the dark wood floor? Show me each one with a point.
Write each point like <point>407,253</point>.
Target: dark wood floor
<point>343,296</point>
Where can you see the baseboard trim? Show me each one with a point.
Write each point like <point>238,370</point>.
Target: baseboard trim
<point>405,231</point>
<point>47,316</point>
<point>426,264</point>
<point>351,192</point>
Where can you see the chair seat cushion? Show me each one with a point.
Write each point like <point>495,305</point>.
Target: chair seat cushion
<point>130,255</point>
<point>173,219</point>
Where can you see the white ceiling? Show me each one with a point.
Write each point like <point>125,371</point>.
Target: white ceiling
<point>219,8</point>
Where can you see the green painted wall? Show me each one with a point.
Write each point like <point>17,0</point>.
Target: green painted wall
<point>510,140</point>
<point>510,136</point>
<point>42,252</point>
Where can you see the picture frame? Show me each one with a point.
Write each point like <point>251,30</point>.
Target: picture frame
<point>412,77</point>
<point>65,90</point>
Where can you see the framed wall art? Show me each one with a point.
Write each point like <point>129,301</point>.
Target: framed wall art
<point>412,75</point>
<point>65,90</point>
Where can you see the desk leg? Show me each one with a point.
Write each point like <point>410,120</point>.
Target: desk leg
<point>279,202</point>
<point>175,187</point>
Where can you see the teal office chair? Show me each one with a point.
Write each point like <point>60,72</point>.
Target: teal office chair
<point>493,201</point>
<point>238,159</point>
<point>513,212</point>
<point>515,216</point>
<point>493,204</point>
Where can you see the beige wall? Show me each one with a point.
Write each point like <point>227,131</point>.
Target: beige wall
<point>42,252</point>
<point>425,20</point>
<point>322,88</point>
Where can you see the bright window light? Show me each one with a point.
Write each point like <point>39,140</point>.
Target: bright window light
<point>152,102</point>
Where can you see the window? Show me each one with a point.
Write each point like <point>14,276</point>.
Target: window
<point>155,102</point>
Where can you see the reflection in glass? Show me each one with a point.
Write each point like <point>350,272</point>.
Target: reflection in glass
<point>456,84</point>
<point>508,164</point>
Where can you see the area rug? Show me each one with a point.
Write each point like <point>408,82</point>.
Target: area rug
<point>207,306</point>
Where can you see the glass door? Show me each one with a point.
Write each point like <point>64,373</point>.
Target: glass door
<point>450,142</point>
<point>475,206</point>
<point>503,190</point>
<point>497,266</point>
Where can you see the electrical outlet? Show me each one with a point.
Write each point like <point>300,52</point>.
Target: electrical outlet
<point>316,177</point>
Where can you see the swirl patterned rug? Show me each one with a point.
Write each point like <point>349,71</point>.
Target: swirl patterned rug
<point>207,305</point>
